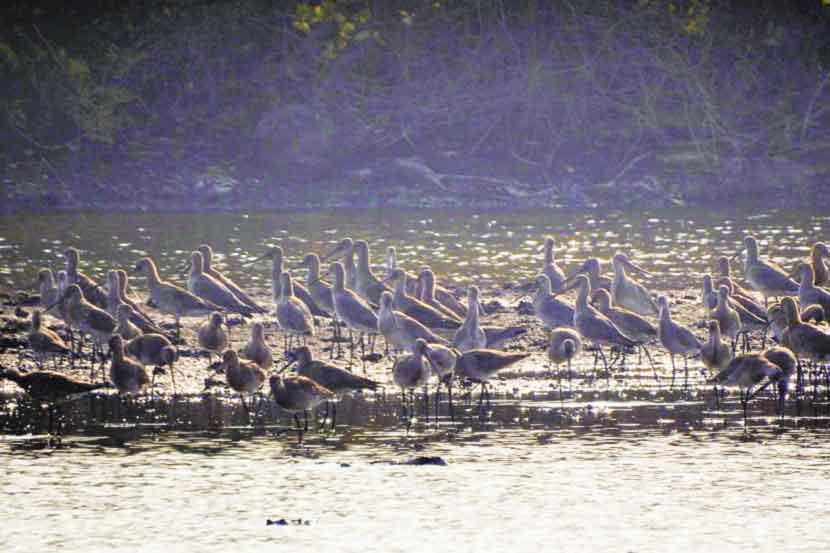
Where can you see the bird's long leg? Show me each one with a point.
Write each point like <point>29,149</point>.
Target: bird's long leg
<point>333,416</point>
<point>673,371</point>
<point>745,404</point>
<point>245,407</point>
<point>299,429</point>
<point>570,388</point>
<point>449,398</point>
<point>685,372</point>
<point>651,362</point>
<point>305,417</point>
<point>607,368</point>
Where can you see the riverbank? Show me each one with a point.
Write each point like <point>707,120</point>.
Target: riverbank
<point>256,105</point>
<point>416,182</point>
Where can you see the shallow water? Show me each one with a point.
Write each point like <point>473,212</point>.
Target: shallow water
<point>622,466</point>
<point>464,247</point>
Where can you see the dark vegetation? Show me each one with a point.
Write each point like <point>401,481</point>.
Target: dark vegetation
<point>357,102</point>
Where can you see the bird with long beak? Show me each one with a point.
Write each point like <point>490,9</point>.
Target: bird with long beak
<point>208,288</point>
<point>88,318</point>
<point>592,268</point>
<point>550,268</point>
<point>243,376</point>
<point>764,276</point>
<point>340,381</point>
<point>808,292</point>
<point>157,351</point>
<point>819,254</point>
<point>277,258</point>
<point>627,292</point>
<point>213,335</point>
<point>49,387</point>
<point>418,310</point>
<point>352,310</point>
<point>747,372</point>
<point>400,330</point>
<point>412,282</point>
<point>366,283</point>
<point>296,394</point>
<point>169,298</point>
<point>470,335</point>
<point>293,315</point>
<point>676,338</point>
<point>804,339</point>
<point>442,360</point>
<point>344,252</point>
<point>428,288</point>
<point>565,344</point>
<point>592,325</point>
<point>92,291</point>
<point>549,309</point>
<point>715,353</point>
<point>115,301</point>
<point>410,372</point>
<point>44,342</point>
<point>725,272</point>
<point>49,291</point>
<point>127,374</point>
<point>210,269</point>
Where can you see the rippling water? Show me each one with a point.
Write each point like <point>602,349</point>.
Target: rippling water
<point>461,246</point>
<point>628,469</point>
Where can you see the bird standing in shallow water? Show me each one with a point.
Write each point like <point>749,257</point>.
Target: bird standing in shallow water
<point>49,387</point>
<point>627,292</point>
<point>470,335</point>
<point>92,291</point>
<point>401,331</point>
<point>209,269</point>
<point>172,299</point>
<point>206,287</point>
<point>351,309</point>
<point>244,377</point>
<point>677,339</point>
<point>296,394</point>
<point>767,278</point>
<point>565,344</point>
<point>340,381</point>
<point>550,268</point>
<point>746,372</point>
<point>549,309</point>
<point>410,372</point>
<point>293,316</point>
<point>593,326</point>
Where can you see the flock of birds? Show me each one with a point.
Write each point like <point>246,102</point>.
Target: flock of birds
<point>435,333</point>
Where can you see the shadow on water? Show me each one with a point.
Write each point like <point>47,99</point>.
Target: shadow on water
<point>210,424</point>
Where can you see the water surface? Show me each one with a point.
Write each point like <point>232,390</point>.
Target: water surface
<point>620,466</point>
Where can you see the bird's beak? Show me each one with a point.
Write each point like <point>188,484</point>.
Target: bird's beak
<point>60,301</point>
<point>266,255</point>
<point>338,251</point>
<point>583,269</point>
<point>284,367</point>
<point>636,268</point>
